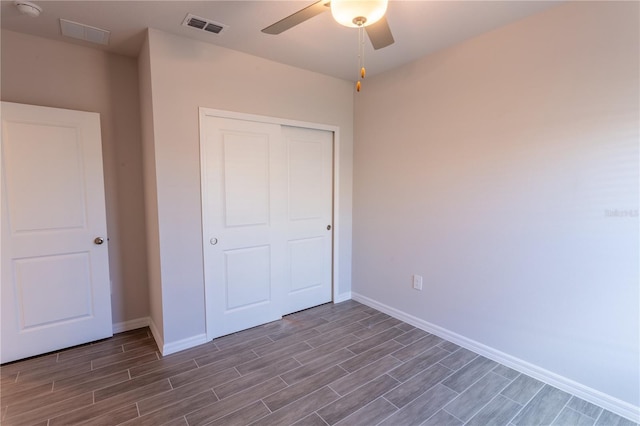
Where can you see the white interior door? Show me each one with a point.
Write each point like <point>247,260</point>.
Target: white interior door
<point>267,203</point>
<point>309,236</point>
<point>55,275</point>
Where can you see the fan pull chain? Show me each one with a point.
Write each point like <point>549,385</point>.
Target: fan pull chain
<point>363,71</point>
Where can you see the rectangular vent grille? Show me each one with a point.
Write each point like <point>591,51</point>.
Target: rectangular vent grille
<point>84,32</point>
<point>204,24</point>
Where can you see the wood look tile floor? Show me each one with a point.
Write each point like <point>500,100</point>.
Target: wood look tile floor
<point>344,364</point>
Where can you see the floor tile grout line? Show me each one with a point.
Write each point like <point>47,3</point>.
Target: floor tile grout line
<point>234,411</point>
<point>488,402</point>
<point>398,408</point>
<point>355,355</point>
<point>561,410</point>
<point>194,409</point>
<point>293,384</point>
<point>452,415</point>
<point>513,400</point>
<point>332,389</point>
<point>448,368</point>
<point>493,370</point>
<point>423,370</point>
<point>355,371</point>
<point>320,417</point>
<point>367,382</point>
<point>377,334</point>
<point>578,411</point>
<point>434,385</point>
<point>477,380</point>
<point>216,395</point>
<point>441,382</point>
<point>156,395</point>
<point>527,403</point>
<point>325,405</point>
<point>369,403</point>
<point>57,402</point>
<point>391,354</point>
<point>433,415</point>
<point>599,415</point>
<point>316,347</point>
<point>297,399</point>
<point>429,348</point>
<point>315,359</point>
<point>467,363</point>
<point>269,409</point>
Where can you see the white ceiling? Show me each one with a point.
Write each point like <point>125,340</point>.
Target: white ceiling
<point>319,44</point>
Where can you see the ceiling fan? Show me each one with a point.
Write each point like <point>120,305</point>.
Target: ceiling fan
<point>369,14</point>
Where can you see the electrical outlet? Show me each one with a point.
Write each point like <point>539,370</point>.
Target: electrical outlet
<point>417,282</point>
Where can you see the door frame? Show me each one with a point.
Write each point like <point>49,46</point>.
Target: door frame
<point>210,112</point>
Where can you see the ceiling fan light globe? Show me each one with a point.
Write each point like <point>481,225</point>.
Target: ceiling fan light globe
<point>347,12</point>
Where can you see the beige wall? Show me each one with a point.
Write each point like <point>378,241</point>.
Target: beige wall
<point>55,74</point>
<point>150,192</point>
<point>489,168</point>
<point>185,75</point>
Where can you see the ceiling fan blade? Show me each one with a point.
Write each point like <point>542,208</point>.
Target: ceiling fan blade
<point>297,18</point>
<point>380,34</point>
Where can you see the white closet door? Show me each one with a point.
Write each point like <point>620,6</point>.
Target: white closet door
<point>244,197</point>
<point>309,233</point>
<point>55,273</point>
<point>267,203</point>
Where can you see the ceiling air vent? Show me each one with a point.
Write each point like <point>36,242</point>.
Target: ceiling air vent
<point>204,24</point>
<point>84,32</point>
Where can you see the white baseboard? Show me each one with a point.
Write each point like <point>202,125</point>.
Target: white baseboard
<point>121,327</point>
<point>594,396</point>
<point>180,345</point>
<point>173,347</point>
<point>343,297</point>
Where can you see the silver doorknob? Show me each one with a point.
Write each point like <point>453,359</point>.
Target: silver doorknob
<point>328,227</point>
<point>98,240</point>
<point>213,241</point>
